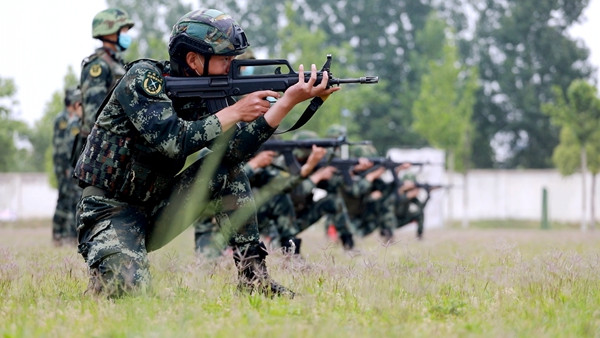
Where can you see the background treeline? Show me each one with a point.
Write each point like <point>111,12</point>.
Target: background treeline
<point>485,67</point>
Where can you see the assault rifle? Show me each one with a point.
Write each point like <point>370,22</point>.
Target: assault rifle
<point>269,74</point>
<point>286,148</point>
<point>430,187</point>
<point>345,165</point>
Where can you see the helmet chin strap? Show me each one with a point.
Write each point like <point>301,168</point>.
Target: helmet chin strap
<point>206,61</point>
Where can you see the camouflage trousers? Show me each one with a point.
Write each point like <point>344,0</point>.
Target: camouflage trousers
<point>376,214</point>
<point>405,216</point>
<point>63,221</point>
<point>277,212</point>
<point>333,207</point>
<point>115,236</point>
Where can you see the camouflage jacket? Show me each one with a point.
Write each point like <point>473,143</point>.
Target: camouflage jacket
<point>99,73</point>
<point>141,127</point>
<point>61,148</point>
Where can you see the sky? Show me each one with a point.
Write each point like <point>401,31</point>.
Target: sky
<point>40,39</point>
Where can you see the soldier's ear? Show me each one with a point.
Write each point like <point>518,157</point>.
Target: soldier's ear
<point>195,61</point>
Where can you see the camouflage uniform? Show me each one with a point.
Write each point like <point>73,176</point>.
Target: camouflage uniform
<point>63,222</point>
<point>405,215</point>
<point>275,214</point>
<point>100,71</point>
<point>138,145</point>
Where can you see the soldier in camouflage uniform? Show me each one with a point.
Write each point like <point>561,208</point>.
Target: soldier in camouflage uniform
<point>101,70</point>
<point>134,201</point>
<point>272,185</point>
<point>375,209</point>
<point>63,222</point>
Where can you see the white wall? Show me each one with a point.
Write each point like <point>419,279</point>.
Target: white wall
<point>493,194</point>
<point>26,196</point>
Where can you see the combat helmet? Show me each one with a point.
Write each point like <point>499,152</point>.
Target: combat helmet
<point>207,32</point>
<point>72,95</point>
<point>302,135</point>
<point>363,150</point>
<point>335,130</point>
<point>110,21</point>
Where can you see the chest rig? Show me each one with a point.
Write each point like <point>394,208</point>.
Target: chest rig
<point>126,166</point>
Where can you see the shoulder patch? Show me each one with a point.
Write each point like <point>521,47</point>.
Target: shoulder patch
<point>284,174</point>
<point>153,83</point>
<point>74,131</point>
<point>95,70</point>
<point>62,124</point>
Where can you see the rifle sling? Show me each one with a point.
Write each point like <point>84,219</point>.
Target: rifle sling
<point>308,113</point>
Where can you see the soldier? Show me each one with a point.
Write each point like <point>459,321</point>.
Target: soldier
<point>134,201</point>
<point>63,222</point>
<point>101,70</point>
<point>360,186</point>
<point>276,216</point>
<point>309,211</point>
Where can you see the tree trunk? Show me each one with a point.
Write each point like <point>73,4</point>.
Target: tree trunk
<point>584,188</point>
<point>593,203</point>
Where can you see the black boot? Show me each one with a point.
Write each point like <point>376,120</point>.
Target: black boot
<point>253,274</point>
<point>289,248</point>
<point>347,241</point>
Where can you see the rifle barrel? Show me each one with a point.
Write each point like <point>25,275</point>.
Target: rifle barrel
<point>361,80</point>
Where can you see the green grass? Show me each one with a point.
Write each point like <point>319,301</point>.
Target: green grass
<point>454,283</point>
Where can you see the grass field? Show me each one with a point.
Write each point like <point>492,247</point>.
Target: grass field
<point>480,282</point>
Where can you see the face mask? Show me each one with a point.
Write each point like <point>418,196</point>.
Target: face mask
<point>202,63</point>
<point>124,41</point>
<point>248,70</point>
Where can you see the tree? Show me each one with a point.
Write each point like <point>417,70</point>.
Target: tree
<point>301,44</point>
<point>580,113</point>
<point>10,129</point>
<point>567,159</point>
<point>522,49</point>
<point>153,21</point>
<point>444,108</point>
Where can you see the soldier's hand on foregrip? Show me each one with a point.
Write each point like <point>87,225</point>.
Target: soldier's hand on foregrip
<point>363,164</point>
<point>303,91</point>
<point>314,158</point>
<point>323,174</point>
<point>375,174</point>
<point>262,159</point>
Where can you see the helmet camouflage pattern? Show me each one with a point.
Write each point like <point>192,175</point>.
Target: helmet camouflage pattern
<point>208,32</point>
<point>72,95</point>
<point>363,150</point>
<point>305,135</point>
<point>335,130</point>
<point>110,21</point>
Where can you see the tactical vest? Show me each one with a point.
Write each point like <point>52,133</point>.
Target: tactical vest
<point>125,166</point>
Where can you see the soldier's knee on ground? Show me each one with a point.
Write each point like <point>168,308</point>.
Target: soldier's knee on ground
<point>117,275</point>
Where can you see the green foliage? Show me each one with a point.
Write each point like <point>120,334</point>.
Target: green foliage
<point>523,49</point>
<point>10,130</point>
<point>303,45</point>
<point>153,21</point>
<point>579,116</point>
<point>444,107</point>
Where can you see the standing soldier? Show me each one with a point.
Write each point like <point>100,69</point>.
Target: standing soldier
<point>63,222</point>
<point>101,70</point>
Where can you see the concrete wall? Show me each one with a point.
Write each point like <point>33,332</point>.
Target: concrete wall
<point>26,196</point>
<point>492,194</point>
